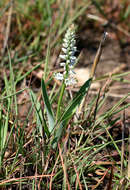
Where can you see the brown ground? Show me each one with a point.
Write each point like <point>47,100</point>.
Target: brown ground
<point>115,59</point>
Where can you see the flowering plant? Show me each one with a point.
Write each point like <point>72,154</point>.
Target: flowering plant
<point>57,123</point>
<point>68,56</point>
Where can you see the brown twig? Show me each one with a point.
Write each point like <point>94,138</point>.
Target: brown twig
<point>22,178</point>
<point>8,27</point>
<point>64,167</point>
<point>77,174</point>
<point>100,180</point>
<point>129,155</point>
<point>52,173</point>
<point>98,54</point>
<point>110,180</point>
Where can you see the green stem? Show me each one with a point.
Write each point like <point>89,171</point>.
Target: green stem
<point>60,99</point>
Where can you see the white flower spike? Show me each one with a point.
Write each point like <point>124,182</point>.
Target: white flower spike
<point>68,56</point>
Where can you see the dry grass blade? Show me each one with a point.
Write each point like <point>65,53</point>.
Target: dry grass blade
<point>99,182</point>
<point>77,174</point>
<point>52,173</point>
<point>110,180</point>
<point>22,178</point>
<point>8,28</point>
<point>98,54</point>
<point>45,168</point>
<point>129,156</point>
<point>96,106</point>
<point>64,167</point>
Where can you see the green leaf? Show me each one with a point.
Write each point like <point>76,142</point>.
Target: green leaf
<point>39,115</point>
<point>127,12</point>
<point>50,114</point>
<point>3,129</point>
<point>69,112</point>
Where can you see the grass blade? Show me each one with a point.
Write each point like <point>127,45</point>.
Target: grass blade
<point>50,115</point>
<point>40,118</point>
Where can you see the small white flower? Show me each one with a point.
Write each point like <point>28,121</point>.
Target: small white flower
<point>64,50</point>
<point>70,81</point>
<point>71,67</point>
<point>72,44</point>
<point>72,62</point>
<point>71,53</point>
<point>65,40</point>
<point>59,76</point>
<point>74,49</point>
<point>65,45</point>
<point>71,73</point>
<point>73,58</point>
<point>62,56</point>
<point>62,64</point>
<point>68,61</point>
